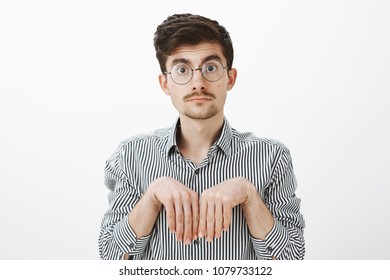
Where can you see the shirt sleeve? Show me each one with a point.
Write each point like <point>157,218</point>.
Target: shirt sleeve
<point>285,240</point>
<point>116,236</point>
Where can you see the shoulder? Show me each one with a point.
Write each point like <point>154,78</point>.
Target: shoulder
<point>266,150</point>
<point>248,139</point>
<point>152,137</point>
<point>144,143</point>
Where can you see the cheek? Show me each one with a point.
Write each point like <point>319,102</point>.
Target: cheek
<point>221,86</point>
<point>223,83</point>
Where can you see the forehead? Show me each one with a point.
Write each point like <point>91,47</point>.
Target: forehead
<point>196,54</point>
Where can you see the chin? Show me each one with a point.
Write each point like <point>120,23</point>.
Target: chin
<point>200,116</point>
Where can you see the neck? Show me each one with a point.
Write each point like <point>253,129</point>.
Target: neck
<point>195,137</point>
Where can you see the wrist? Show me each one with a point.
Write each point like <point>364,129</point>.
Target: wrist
<point>151,194</point>
<point>249,190</point>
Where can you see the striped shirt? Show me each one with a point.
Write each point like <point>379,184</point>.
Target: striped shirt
<point>142,159</point>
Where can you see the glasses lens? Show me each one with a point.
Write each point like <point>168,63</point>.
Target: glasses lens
<point>212,70</point>
<point>181,73</point>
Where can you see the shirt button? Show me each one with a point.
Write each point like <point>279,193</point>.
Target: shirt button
<point>269,248</point>
<point>197,171</point>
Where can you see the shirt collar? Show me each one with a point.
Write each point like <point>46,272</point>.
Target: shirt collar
<point>223,142</point>
<point>171,141</point>
<point>225,139</point>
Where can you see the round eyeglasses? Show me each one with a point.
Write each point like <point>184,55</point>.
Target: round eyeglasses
<point>182,73</point>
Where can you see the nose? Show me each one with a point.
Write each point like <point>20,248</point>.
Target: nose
<point>198,81</point>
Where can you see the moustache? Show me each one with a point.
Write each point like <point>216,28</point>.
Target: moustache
<point>199,94</point>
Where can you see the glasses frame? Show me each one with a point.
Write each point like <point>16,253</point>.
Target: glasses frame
<point>194,69</point>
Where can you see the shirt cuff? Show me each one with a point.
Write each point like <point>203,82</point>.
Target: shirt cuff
<point>274,243</point>
<point>126,238</point>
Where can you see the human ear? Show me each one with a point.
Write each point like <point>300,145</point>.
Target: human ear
<point>162,78</point>
<point>232,76</point>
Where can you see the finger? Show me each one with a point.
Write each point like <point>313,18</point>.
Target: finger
<point>179,215</point>
<point>210,216</point>
<point>195,215</point>
<point>171,219</point>
<point>218,220</point>
<point>187,208</point>
<point>227,215</point>
<point>202,219</point>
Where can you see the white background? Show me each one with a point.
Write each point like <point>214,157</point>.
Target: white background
<point>77,77</point>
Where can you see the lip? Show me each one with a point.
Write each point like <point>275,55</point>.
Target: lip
<point>199,99</point>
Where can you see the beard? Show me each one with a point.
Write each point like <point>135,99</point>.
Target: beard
<point>202,111</point>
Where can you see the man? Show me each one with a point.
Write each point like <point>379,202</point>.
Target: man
<point>200,189</point>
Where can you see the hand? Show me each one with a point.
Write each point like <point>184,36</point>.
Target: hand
<point>181,205</point>
<point>216,206</point>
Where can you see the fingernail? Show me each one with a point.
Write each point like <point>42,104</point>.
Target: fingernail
<point>200,234</point>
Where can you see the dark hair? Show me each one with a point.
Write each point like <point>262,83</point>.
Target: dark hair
<point>189,29</point>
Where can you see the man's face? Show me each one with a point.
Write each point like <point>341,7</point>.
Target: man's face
<point>199,98</point>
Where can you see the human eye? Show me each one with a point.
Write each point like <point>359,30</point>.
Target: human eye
<point>211,66</point>
<point>181,69</point>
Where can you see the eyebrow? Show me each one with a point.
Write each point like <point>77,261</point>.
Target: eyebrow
<point>207,58</point>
